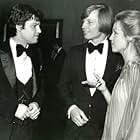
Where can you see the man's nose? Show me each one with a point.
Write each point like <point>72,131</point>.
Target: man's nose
<point>39,30</point>
<point>84,25</point>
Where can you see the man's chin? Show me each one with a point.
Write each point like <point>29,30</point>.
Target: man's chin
<point>114,50</point>
<point>34,42</point>
<point>87,38</point>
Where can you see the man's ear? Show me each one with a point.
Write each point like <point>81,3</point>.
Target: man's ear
<point>18,27</point>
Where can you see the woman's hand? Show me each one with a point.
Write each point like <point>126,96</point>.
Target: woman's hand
<point>101,85</point>
<point>98,83</point>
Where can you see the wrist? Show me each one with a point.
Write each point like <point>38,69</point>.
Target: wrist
<point>34,104</point>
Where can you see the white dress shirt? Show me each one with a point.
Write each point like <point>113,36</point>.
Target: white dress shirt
<point>96,63</point>
<point>23,64</point>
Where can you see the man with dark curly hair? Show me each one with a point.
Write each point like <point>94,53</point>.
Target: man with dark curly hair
<point>20,90</point>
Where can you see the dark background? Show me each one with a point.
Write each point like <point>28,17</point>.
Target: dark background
<point>69,11</point>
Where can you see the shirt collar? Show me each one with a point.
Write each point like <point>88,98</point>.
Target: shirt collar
<point>90,41</point>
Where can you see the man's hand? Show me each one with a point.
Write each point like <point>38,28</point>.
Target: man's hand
<point>33,110</point>
<point>21,112</point>
<point>78,116</point>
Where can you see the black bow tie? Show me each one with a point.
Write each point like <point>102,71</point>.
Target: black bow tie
<point>20,49</point>
<point>91,47</point>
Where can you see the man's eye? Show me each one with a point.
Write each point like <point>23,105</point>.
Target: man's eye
<point>33,26</point>
<point>90,22</point>
<point>114,32</point>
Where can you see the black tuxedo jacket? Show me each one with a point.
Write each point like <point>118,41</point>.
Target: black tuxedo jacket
<point>8,97</point>
<point>73,92</point>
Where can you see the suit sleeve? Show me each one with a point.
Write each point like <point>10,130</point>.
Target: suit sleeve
<point>8,100</point>
<point>65,83</point>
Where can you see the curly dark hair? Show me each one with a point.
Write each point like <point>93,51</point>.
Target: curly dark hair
<point>19,14</point>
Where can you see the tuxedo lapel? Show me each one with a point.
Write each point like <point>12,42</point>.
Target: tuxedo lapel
<point>83,57</point>
<point>36,68</point>
<point>83,65</point>
<point>108,65</point>
<point>8,67</point>
<point>34,83</point>
<point>112,65</point>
